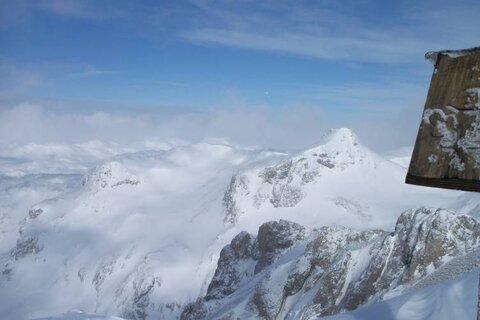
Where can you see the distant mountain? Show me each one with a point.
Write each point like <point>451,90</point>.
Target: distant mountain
<point>125,238</point>
<point>338,182</point>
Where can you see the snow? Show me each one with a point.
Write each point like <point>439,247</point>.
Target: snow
<point>149,218</point>
<point>80,315</point>
<point>454,297</point>
<point>451,299</point>
<point>359,262</point>
<point>432,56</point>
<point>432,158</point>
<point>453,268</point>
<point>138,218</point>
<point>445,123</point>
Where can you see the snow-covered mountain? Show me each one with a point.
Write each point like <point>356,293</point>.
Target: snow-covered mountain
<point>139,234</point>
<point>290,272</point>
<point>126,239</point>
<point>338,182</point>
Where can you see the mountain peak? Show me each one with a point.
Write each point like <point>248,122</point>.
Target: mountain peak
<point>341,136</point>
<point>109,174</point>
<point>335,142</point>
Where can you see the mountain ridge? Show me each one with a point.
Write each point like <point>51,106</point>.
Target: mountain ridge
<point>329,270</point>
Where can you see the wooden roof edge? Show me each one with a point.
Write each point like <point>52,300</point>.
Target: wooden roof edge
<point>432,56</point>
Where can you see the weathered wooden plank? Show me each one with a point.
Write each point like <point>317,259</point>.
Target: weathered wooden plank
<point>455,184</point>
<point>447,149</point>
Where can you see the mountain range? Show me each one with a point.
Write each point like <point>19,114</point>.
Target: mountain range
<point>137,232</point>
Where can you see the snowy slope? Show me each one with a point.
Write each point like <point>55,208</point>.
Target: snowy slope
<point>33,173</point>
<point>138,235</point>
<point>452,299</point>
<point>19,194</point>
<point>80,315</point>
<point>126,239</point>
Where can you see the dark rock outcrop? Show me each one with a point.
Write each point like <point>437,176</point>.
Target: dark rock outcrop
<point>290,272</point>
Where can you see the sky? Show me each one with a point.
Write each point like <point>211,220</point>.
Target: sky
<point>270,73</point>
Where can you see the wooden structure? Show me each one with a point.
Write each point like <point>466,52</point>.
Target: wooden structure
<point>447,149</point>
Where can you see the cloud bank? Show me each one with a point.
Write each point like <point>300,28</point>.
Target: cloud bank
<point>289,128</point>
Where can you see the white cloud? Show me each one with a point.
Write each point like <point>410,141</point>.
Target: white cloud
<point>325,47</point>
<point>334,35</point>
<point>14,12</point>
<point>292,128</point>
<point>21,81</point>
<point>70,8</point>
<point>90,72</point>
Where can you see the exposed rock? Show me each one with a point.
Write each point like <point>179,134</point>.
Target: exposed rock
<point>26,246</point>
<point>140,303</point>
<point>273,237</point>
<point>105,268</point>
<point>283,177</point>
<point>109,175</point>
<point>194,311</point>
<point>34,213</point>
<point>234,264</point>
<point>289,272</point>
<point>238,186</point>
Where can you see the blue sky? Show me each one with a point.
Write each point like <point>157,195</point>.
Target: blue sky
<point>360,60</point>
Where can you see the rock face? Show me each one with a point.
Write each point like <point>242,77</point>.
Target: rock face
<point>290,272</point>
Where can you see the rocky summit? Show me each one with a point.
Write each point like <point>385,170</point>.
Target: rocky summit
<point>290,272</point>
